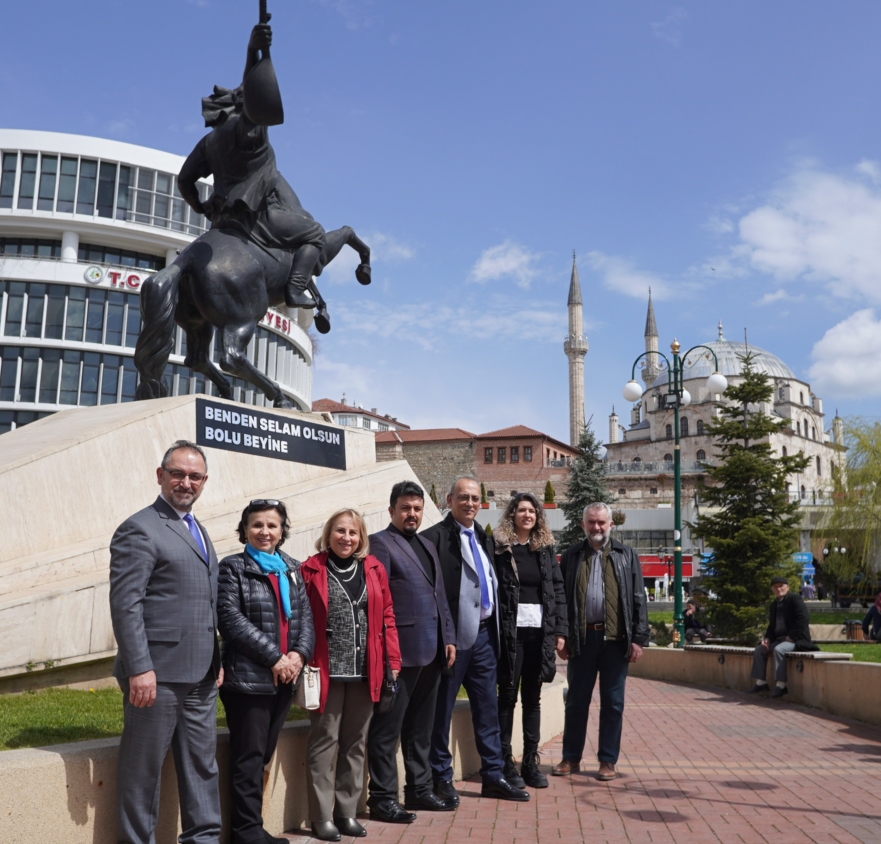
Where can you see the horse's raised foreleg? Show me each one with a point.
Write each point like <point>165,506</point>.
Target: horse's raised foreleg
<point>338,238</point>
<point>199,357</point>
<point>234,341</point>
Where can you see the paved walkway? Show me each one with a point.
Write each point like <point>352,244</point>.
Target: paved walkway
<point>698,765</point>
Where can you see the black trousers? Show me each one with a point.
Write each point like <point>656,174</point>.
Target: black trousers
<point>526,680</point>
<point>411,718</point>
<point>255,722</point>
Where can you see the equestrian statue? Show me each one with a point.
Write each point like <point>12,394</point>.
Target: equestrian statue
<point>263,248</point>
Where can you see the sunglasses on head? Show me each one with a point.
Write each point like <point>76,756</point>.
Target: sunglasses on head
<point>264,502</point>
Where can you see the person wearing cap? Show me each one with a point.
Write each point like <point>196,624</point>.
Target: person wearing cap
<point>788,630</point>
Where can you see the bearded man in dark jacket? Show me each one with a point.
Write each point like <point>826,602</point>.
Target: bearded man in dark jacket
<point>608,628</point>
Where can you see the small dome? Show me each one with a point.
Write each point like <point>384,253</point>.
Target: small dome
<point>727,353</point>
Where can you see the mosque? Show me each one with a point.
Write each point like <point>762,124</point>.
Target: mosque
<point>639,456</point>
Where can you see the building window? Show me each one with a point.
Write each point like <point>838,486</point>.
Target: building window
<point>637,460</point>
<point>781,393</point>
<point>653,490</point>
<point>382,426</point>
<point>813,432</point>
<point>801,397</point>
<point>669,432</point>
<point>668,458</point>
<point>27,182</point>
<point>701,454</point>
<point>784,451</point>
<point>488,455</point>
<point>515,453</point>
<point>7,179</point>
<point>502,450</point>
<point>804,493</point>
<point>798,428</point>
<point>527,454</point>
<point>819,468</point>
<point>365,422</point>
<point>700,427</point>
<point>683,427</point>
<point>622,491</point>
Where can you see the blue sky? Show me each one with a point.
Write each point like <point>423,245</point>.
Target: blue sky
<point>725,153</point>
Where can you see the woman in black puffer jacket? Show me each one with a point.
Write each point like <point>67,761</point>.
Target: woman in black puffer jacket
<point>533,620</point>
<point>265,620</point>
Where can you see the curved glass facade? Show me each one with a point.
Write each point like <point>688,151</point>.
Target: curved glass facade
<point>79,233</point>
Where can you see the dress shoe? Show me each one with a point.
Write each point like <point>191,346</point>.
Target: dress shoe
<point>511,774</point>
<point>503,790</point>
<point>390,811</point>
<point>532,776</point>
<point>757,689</point>
<point>780,691</point>
<point>325,831</point>
<point>271,839</point>
<point>607,772</point>
<point>350,827</point>
<point>429,802</point>
<point>565,768</point>
<point>444,788</point>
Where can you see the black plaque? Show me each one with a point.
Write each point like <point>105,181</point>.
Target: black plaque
<point>252,431</point>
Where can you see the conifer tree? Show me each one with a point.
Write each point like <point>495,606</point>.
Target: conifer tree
<point>549,493</point>
<point>752,527</point>
<point>433,495</point>
<point>586,486</point>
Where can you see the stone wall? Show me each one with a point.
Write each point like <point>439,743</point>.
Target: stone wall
<point>440,463</point>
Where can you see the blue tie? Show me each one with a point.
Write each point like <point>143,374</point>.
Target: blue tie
<point>197,534</point>
<point>481,574</point>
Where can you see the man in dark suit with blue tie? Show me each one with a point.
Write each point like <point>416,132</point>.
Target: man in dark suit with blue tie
<point>163,597</point>
<point>428,644</point>
<point>466,557</point>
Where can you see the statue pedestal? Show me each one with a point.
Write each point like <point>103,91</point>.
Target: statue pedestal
<point>67,482</point>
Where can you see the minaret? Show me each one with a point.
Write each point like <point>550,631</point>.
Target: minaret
<point>613,426</point>
<point>575,347</point>
<point>838,429</point>
<point>651,370</point>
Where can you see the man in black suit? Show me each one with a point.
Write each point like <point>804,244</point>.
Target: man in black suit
<point>788,630</point>
<point>466,556</point>
<point>427,638</point>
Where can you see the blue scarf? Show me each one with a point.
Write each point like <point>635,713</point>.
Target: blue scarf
<point>273,564</point>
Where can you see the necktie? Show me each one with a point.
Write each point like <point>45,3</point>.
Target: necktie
<point>197,534</point>
<point>481,574</point>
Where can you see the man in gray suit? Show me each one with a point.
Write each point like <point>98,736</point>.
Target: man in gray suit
<point>163,596</point>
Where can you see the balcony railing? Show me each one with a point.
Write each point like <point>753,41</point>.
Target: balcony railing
<point>662,467</point>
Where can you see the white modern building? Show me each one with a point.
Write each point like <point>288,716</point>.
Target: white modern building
<point>83,221</point>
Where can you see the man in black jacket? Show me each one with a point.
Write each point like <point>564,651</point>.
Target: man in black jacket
<point>428,644</point>
<point>466,556</point>
<point>788,630</point>
<point>608,628</point>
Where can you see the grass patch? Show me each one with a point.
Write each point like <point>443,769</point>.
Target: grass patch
<point>861,653</point>
<point>817,617</point>
<point>658,617</point>
<point>58,716</point>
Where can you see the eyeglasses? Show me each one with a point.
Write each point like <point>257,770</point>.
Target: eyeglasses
<point>264,502</point>
<point>178,476</point>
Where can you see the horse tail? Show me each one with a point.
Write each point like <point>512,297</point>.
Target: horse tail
<point>159,295</point>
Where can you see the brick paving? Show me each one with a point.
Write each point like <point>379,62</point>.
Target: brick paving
<point>698,765</point>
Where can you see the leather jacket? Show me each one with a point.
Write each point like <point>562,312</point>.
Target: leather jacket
<point>248,620</point>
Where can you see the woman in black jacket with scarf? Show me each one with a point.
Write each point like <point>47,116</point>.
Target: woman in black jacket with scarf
<point>533,618</point>
<point>265,620</point>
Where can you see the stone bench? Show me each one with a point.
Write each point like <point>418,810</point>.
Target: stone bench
<point>735,649</point>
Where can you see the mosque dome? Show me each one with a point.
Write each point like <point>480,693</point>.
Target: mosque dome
<point>730,364</point>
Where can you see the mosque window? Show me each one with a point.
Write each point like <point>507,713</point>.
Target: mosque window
<point>668,458</point>
<point>819,467</point>
<point>701,454</point>
<point>700,427</point>
<point>804,493</point>
<point>813,433</point>
<point>798,427</point>
<point>801,397</point>
<point>784,451</point>
<point>669,432</point>
<point>683,427</point>
<point>781,393</point>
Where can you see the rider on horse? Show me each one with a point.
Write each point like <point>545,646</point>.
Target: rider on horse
<point>250,195</point>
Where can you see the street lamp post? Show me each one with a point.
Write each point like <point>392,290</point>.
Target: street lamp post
<point>677,396</point>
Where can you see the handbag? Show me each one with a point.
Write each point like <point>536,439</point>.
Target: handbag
<point>307,695</point>
<point>389,688</point>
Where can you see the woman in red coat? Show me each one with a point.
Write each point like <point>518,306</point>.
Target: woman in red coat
<point>354,625</point>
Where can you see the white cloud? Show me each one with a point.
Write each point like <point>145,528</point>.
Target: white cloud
<point>621,274</point>
<point>353,12</point>
<point>869,168</point>
<point>821,227</point>
<point>846,358</point>
<point>719,224</point>
<point>777,296</point>
<point>507,260</point>
<point>670,29</point>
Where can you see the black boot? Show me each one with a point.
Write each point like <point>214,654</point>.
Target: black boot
<point>302,268</point>
<point>510,772</point>
<point>532,776</point>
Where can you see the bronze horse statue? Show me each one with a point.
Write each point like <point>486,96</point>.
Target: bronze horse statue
<point>263,249</point>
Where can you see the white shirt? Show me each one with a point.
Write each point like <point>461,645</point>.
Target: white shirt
<point>484,562</point>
